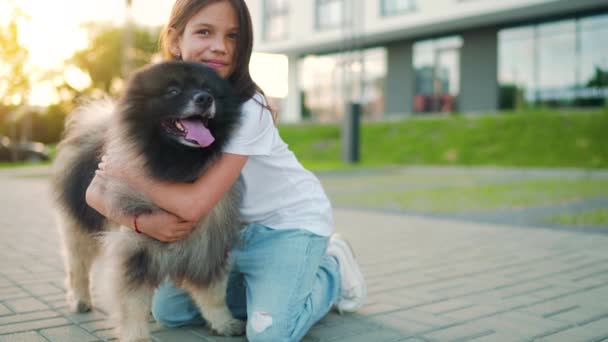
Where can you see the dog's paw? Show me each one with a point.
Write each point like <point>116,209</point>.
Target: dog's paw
<point>82,307</point>
<point>78,305</point>
<point>231,327</point>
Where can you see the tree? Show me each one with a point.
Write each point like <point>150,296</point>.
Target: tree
<point>599,79</point>
<point>14,81</point>
<point>103,58</point>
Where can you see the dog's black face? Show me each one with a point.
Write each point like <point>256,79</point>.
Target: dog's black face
<point>179,100</point>
<point>178,113</point>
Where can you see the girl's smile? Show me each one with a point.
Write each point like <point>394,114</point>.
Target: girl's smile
<point>216,64</point>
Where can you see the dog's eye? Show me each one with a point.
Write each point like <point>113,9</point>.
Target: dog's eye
<point>172,91</point>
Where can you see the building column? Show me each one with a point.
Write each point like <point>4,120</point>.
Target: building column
<point>479,71</point>
<point>292,102</point>
<point>400,78</point>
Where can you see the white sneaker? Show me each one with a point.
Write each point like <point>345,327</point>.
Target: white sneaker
<point>353,290</point>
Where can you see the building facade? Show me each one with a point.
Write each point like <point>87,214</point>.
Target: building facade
<point>419,56</point>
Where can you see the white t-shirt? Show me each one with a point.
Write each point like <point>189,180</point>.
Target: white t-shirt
<point>279,192</point>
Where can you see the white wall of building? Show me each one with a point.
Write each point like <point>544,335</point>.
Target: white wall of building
<point>430,18</point>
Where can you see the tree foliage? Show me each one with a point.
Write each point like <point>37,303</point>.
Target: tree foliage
<point>599,79</point>
<point>104,58</point>
<point>14,80</point>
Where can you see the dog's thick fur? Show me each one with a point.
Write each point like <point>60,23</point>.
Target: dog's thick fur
<point>137,126</point>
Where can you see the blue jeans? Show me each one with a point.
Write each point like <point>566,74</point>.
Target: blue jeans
<point>281,283</point>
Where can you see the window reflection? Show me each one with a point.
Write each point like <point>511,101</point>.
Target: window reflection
<point>516,72</point>
<point>556,60</point>
<point>593,60</point>
<point>561,63</point>
<point>327,81</point>
<point>437,73</point>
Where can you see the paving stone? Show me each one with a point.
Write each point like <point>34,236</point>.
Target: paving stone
<point>82,317</point>
<point>445,306</point>
<point>379,335</point>
<point>30,336</point>
<point>32,316</point>
<point>12,293</point>
<point>97,325</point>
<point>377,308</point>
<point>399,299</point>
<point>499,337</point>
<point>578,314</point>
<point>42,289</point>
<point>429,280</point>
<point>350,328</point>
<point>397,322</point>
<point>25,305</point>
<point>594,331</point>
<point>425,318</point>
<point>33,325</point>
<point>473,312</point>
<point>110,334</point>
<point>47,298</point>
<point>520,324</point>
<point>459,332</point>
<point>553,292</point>
<point>202,332</point>
<point>4,310</point>
<point>68,334</point>
<point>333,319</point>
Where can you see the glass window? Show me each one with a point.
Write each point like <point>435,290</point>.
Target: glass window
<point>593,73</point>
<point>556,44</point>
<point>330,14</point>
<point>394,7</point>
<point>437,74</point>
<point>328,80</point>
<point>516,66</point>
<point>276,13</point>
<point>562,63</point>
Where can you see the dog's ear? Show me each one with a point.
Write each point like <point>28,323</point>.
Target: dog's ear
<point>134,80</point>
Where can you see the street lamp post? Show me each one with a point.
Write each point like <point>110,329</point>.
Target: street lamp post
<point>352,85</point>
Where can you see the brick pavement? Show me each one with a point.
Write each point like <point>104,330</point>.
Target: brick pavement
<point>429,279</point>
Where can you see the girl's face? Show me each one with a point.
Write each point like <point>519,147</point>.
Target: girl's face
<point>210,37</point>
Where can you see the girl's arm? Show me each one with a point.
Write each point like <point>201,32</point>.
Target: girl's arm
<point>189,201</point>
<point>160,225</point>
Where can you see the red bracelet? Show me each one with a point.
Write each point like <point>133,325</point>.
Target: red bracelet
<point>135,224</point>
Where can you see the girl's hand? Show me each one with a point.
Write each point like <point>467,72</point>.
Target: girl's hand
<point>113,165</point>
<point>164,226</point>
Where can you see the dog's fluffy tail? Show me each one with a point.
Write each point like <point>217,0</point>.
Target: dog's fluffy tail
<point>90,113</point>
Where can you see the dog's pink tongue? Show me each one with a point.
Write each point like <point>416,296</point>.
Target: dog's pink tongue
<point>198,132</point>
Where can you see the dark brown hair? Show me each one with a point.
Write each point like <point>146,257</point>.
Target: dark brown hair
<point>184,10</point>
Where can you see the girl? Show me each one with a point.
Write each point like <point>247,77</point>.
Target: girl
<point>288,272</point>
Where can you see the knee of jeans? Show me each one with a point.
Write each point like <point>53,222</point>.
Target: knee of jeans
<point>162,315</point>
<point>263,327</point>
<point>165,312</point>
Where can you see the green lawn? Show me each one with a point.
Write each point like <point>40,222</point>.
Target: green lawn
<point>596,217</point>
<point>532,139</point>
<point>453,193</point>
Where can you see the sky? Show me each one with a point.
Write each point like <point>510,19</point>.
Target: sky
<point>53,33</point>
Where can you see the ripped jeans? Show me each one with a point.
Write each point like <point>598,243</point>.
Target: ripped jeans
<point>282,283</point>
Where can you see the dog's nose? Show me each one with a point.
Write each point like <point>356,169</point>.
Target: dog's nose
<point>203,100</point>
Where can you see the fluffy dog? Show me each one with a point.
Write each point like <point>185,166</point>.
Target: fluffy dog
<point>171,121</point>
